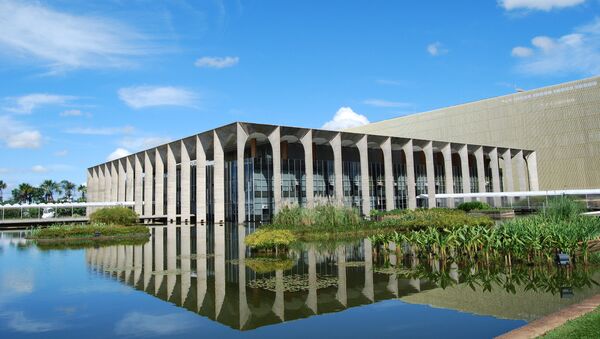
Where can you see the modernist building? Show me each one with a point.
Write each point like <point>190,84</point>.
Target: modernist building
<point>199,179</point>
<point>561,123</point>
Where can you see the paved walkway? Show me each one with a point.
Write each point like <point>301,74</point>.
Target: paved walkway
<point>541,326</point>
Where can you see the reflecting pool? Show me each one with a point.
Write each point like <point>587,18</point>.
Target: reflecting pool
<point>202,281</point>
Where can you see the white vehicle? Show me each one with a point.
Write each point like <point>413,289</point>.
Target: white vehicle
<point>48,213</point>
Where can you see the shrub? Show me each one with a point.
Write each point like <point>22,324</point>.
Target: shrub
<point>563,208</point>
<point>324,216</point>
<point>83,231</point>
<point>268,239</point>
<point>115,216</point>
<point>473,205</point>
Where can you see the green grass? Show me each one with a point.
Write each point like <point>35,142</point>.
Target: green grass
<point>586,326</point>
<point>79,231</point>
<point>115,216</point>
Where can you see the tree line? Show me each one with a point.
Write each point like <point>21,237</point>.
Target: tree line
<point>48,191</point>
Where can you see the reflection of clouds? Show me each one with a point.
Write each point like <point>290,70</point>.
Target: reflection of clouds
<point>18,282</point>
<point>17,321</point>
<point>143,325</point>
<point>98,288</point>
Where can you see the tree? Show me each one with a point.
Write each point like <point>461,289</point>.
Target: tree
<point>2,188</point>
<point>24,193</point>
<point>68,187</point>
<point>49,187</point>
<point>83,191</point>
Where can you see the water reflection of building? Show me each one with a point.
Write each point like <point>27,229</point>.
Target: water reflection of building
<point>205,270</point>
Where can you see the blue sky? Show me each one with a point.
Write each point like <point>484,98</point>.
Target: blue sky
<point>83,81</point>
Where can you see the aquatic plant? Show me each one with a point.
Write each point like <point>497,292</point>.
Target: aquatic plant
<point>269,264</point>
<point>95,229</point>
<point>115,216</point>
<point>270,239</point>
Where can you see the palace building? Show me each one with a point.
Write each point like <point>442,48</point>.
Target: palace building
<point>200,178</point>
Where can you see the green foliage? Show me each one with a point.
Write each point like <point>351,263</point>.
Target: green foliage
<point>64,231</point>
<point>473,205</point>
<point>268,239</point>
<point>115,215</point>
<point>324,216</point>
<point>82,243</point>
<point>406,220</point>
<point>269,264</point>
<point>563,208</point>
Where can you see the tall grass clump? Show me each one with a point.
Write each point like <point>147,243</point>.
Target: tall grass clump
<point>563,208</point>
<point>473,205</point>
<point>114,216</point>
<point>323,217</point>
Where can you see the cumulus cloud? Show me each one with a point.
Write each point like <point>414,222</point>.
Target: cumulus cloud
<point>117,154</point>
<point>39,169</point>
<point>144,325</point>
<point>577,52</point>
<point>15,134</point>
<point>521,52</point>
<point>436,49</point>
<point>19,322</point>
<point>28,103</point>
<point>148,96</point>
<point>541,5</point>
<point>62,41</point>
<point>217,62</point>
<point>101,130</point>
<point>385,103</point>
<point>345,118</point>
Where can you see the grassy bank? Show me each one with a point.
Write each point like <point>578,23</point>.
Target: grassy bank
<point>586,326</point>
<point>88,231</point>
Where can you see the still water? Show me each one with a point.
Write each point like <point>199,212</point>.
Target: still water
<point>203,282</point>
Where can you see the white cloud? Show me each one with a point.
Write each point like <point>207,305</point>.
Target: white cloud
<point>345,118</point>
<point>148,96</point>
<point>143,143</point>
<point>101,130</point>
<point>577,52</point>
<point>28,103</point>
<point>39,169</point>
<point>542,5</point>
<point>61,153</point>
<point>521,52</point>
<point>217,62</point>
<point>63,41</point>
<point>385,103</point>
<point>117,154</point>
<point>436,48</point>
<point>15,134</point>
<point>20,323</point>
<point>144,325</point>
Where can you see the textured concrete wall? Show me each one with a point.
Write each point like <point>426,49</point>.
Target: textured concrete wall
<point>561,123</point>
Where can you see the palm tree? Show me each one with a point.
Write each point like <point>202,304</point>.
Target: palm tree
<point>68,187</point>
<point>83,191</point>
<point>23,193</point>
<point>50,187</point>
<point>2,188</point>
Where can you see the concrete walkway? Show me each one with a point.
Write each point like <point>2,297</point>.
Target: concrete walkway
<point>541,326</point>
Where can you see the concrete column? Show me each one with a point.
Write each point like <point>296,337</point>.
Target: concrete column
<point>185,185</point>
<point>171,185</point>
<point>114,183</point>
<point>363,151</point>
<point>186,262</point>
<point>410,175</point>
<point>336,145</point>
<point>100,195</point>
<point>242,137</point>
<point>171,260</point>
<point>521,171</point>
<point>509,184</point>
<point>130,181</point>
<point>275,140</point>
<point>122,180</point>
<point>533,172</point>
<point>428,149</point>
<point>137,194</point>
<point>90,187</point>
<point>148,185</point>
<point>386,147</point>
<point>311,299</point>
<point>219,180</point>
<point>463,153</point>
<point>107,182</point>
<point>200,181</point>
<point>495,174</point>
<point>448,173</point>
<point>308,168</point>
<point>243,309</point>
<point>480,169</point>
<point>342,294</point>
<point>159,183</point>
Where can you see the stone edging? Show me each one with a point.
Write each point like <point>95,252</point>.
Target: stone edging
<point>544,325</point>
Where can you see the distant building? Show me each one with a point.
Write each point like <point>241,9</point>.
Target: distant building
<point>198,178</point>
<point>561,123</point>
